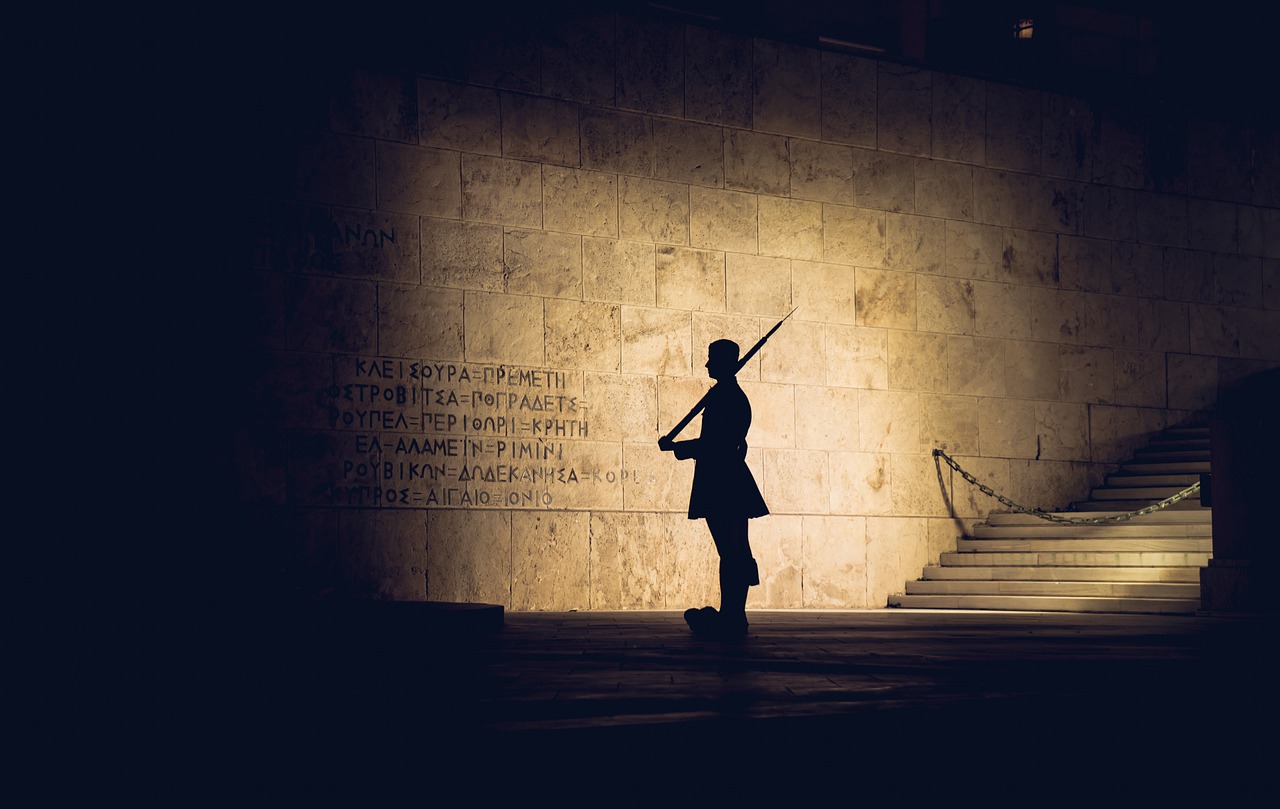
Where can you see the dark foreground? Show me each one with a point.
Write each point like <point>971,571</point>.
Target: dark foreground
<point>1114,708</point>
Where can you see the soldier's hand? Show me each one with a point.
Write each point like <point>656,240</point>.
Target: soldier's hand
<point>666,444</point>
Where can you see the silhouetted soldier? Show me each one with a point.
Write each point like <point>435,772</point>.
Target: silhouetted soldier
<point>724,492</point>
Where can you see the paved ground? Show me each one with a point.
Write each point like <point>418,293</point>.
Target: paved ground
<point>890,700</point>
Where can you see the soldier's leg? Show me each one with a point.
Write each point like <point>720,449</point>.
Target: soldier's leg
<point>737,567</point>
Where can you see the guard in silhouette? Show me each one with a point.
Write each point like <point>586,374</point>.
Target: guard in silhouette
<point>724,492</point>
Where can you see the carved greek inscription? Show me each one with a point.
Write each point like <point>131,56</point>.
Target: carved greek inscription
<point>425,434</point>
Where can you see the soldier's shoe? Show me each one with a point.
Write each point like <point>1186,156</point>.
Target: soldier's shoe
<point>704,623</point>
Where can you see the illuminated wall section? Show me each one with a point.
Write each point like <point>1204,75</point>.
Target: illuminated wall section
<point>489,288</point>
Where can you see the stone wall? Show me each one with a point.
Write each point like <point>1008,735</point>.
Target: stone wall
<point>482,285</point>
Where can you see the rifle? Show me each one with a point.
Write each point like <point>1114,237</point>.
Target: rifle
<point>702,403</point>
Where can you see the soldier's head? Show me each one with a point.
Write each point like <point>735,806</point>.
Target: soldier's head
<point>722,359</point>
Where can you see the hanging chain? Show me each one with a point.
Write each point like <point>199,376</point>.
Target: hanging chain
<point>1045,515</point>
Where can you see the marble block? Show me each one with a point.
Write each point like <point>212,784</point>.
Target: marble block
<point>824,292</point>
<point>538,262</point>
<point>976,366</point>
<point>687,152</point>
<point>1007,428</point>
<point>619,142</point>
<point>419,181</point>
<point>945,305</point>
<point>718,77</point>
<point>722,220</point>
<point>826,418</point>
<point>949,423</point>
<point>861,483</point>
<point>621,408</point>
<point>960,118</point>
<point>627,561</point>
<point>1014,132</point>
<point>897,552</point>
<point>501,191</point>
<point>619,271</point>
<point>884,181</point>
<point>1000,197</point>
<point>917,490</point>
<point>848,99</point>
<point>757,162</point>
<point>654,480</point>
<point>656,341</point>
<point>790,228</point>
<point>459,117</point>
<point>578,201</point>
<point>821,171</point>
<point>690,564</point>
<point>503,328</point>
<point>857,357</point>
<point>550,560</point>
<point>1087,374</point>
<point>757,285</point>
<point>1062,431</point>
<point>917,361</point>
<point>915,243</point>
<point>944,189</point>
<point>583,335</point>
<point>773,414</point>
<point>1002,310</point>
<point>903,109</point>
<point>690,279</point>
<point>796,481</point>
<point>835,562</point>
<point>469,556</point>
<point>417,321</point>
<point>777,542</point>
<point>653,211</point>
<point>787,82</point>
<point>853,235</point>
<point>795,354</point>
<point>544,130</point>
<point>974,251</point>
<point>335,170</point>
<point>886,298</point>
<point>889,421</point>
<point>461,254</point>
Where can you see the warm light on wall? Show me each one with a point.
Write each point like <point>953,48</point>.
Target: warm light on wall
<point>1023,29</point>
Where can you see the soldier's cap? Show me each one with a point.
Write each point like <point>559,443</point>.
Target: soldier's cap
<point>723,351</point>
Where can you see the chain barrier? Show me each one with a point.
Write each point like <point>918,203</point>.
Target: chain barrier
<point>1045,515</point>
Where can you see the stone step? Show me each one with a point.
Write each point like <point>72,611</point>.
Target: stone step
<point>1178,444</point>
<point>1076,559</point>
<point>1074,589</point>
<point>1171,456</point>
<point>1165,467</point>
<point>1187,503</point>
<point>1184,575</point>
<point>1152,494</point>
<point>1072,545</point>
<point>1179,482</point>
<point>1204,517</point>
<point>1129,531</point>
<point>1046,604</point>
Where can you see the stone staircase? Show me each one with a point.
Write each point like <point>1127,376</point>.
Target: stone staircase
<point>1148,564</point>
